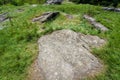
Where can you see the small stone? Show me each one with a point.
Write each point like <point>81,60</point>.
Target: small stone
<point>69,16</point>
<point>34,5</point>
<point>49,2</point>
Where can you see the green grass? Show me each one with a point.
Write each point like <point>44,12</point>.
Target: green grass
<point>18,41</point>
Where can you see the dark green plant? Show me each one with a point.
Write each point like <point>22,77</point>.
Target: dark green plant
<point>114,3</point>
<point>21,2</point>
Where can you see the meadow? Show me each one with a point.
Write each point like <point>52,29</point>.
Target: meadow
<point>18,40</point>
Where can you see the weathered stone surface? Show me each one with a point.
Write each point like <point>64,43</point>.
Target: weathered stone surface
<point>65,55</point>
<point>46,16</point>
<point>111,9</point>
<point>54,2</point>
<point>95,24</point>
<point>3,17</point>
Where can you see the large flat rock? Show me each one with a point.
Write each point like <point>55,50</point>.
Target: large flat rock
<point>65,55</point>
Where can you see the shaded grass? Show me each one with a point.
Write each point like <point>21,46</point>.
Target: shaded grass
<point>18,42</point>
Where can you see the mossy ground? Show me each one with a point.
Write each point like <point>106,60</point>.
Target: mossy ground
<point>18,41</point>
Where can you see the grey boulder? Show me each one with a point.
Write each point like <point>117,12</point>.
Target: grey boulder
<point>111,9</point>
<point>65,55</point>
<point>3,17</point>
<point>46,16</point>
<point>54,2</point>
<point>96,24</point>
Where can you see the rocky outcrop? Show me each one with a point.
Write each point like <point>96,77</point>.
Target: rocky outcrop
<point>97,25</point>
<point>49,2</point>
<point>65,55</point>
<point>111,9</point>
<point>46,16</point>
<point>3,17</point>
